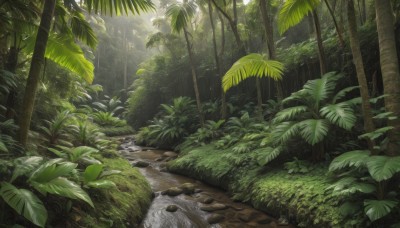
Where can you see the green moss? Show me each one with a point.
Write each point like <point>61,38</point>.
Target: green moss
<point>303,198</point>
<point>123,206</point>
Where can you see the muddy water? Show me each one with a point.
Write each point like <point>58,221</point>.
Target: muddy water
<point>189,213</point>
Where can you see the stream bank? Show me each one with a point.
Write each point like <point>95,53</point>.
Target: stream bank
<point>302,198</point>
<point>182,202</point>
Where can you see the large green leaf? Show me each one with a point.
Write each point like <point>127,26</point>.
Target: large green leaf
<point>251,65</point>
<point>314,130</point>
<point>356,158</point>
<point>289,113</point>
<point>293,11</point>
<point>342,93</point>
<point>383,167</point>
<point>92,172</point>
<point>80,152</point>
<point>285,131</point>
<point>320,89</point>
<point>24,165</point>
<point>119,6</point>
<point>180,14</point>
<point>25,203</point>
<point>63,187</point>
<point>268,154</point>
<point>339,114</point>
<point>3,147</point>
<point>63,50</point>
<point>376,209</point>
<point>51,170</point>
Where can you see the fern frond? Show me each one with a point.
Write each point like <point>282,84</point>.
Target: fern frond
<point>293,11</point>
<point>339,114</point>
<point>313,130</point>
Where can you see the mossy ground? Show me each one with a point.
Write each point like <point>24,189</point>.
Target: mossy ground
<point>123,206</point>
<point>304,198</point>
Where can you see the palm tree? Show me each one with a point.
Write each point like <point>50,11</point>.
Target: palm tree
<point>390,69</point>
<point>252,65</point>
<point>292,12</point>
<point>134,6</point>
<point>362,80</point>
<point>180,15</point>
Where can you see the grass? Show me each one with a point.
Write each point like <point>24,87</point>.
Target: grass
<point>303,198</point>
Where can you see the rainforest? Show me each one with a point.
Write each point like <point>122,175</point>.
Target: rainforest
<point>200,113</point>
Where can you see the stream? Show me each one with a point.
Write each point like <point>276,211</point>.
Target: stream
<point>200,205</point>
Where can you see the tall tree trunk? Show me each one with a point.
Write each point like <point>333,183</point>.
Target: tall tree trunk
<point>217,61</point>
<point>362,79</point>
<point>194,77</point>
<point>269,35</point>
<point>321,52</point>
<point>390,69</point>
<point>224,107</point>
<point>34,71</point>
<point>125,46</point>
<point>11,65</point>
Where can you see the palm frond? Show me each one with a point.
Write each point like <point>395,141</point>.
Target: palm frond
<point>119,6</point>
<point>293,11</point>
<point>383,167</point>
<point>252,65</point>
<point>340,114</point>
<point>313,130</point>
<point>63,51</point>
<point>356,158</point>
<point>342,93</point>
<point>376,209</point>
<point>180,14</point>
<point>320,89</point>
<point>82,30</point>
<point>289,113</point>
<point>285,131</point>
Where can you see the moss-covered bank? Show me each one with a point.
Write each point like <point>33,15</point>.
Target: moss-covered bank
<point>302,198</point>
<point>123,206</point>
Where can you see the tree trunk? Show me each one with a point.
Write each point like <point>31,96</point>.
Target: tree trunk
<point>269,35</point>
<point>390,69</point>
<point>338,31</point>
<point>321,52</point>
<point>224,108</point>
<point>194,77</point>
<point>217,62</point>
<point>11,65</point>
<point>34,71</point>
<point>362,79</point>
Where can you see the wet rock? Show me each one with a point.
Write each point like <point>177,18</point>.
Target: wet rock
<point>207,200</point>
<point>215,218</point>
<point>164,192</point>
<point>141,164</point>
<point>124,152</point>
<point>188,188</point>
<point>198,190</point>
<point>174,191</point>
<point>236,208</point>
<point>170,154</point>
<point>120,147</point>
<point>159,159</point>
<point>168,159</point>
<point>163,170</point>
<point>171,208</point>
<point>213,207</point>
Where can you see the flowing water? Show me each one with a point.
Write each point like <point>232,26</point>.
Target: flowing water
<point>189,211</point>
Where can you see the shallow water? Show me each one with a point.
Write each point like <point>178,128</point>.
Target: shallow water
<point>189,213</point>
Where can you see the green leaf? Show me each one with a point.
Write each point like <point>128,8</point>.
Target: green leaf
<point>52,169</point>
<point>251,65</point>
<point>349,208</point>
<point>293,11</point>
<point>356,158</point>
<point>314,130</point>
<point>3,147</point>
<point>342,93</point>
<point>63,187</point>
<point>289,113</point>
<point>285,131</point>
<point>376,209</point>
<point>339,114</point>
<point>268,154</point>
<point>92,172</point>
<point>25,203</point>
<point>24,165</point>
<point>80,152</point>
<point>101,184</point>
<point>320,89</point>
<point>180,14</point>
<point>383,167</point>
<point>377,133</point>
